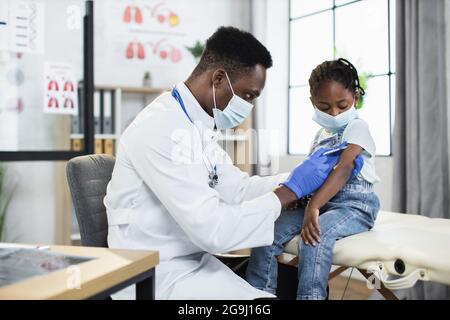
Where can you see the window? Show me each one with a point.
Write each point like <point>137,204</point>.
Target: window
<point>361,31</point>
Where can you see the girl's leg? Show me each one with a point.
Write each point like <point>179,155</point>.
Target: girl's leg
<point>315,262</point>
<point>262,270</point>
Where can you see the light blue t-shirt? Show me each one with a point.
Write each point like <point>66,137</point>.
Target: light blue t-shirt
<point>356,132</point>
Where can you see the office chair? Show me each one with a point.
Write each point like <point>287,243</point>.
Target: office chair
<point>88,177</point>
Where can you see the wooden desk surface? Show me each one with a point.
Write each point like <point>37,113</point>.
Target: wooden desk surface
<point>109,268</point>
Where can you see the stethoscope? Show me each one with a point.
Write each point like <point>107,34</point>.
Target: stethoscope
<point>213,178</point>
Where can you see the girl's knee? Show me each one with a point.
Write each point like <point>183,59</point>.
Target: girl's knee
<point>326,244</point>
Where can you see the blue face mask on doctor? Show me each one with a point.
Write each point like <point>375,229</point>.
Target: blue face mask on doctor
<point>334,123</point>
<point>236,111</point>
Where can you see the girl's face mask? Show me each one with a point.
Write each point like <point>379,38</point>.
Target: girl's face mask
<point>334,123</point>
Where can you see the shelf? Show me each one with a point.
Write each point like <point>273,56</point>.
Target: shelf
<point>233,137</point>
<point>96,136</point>
<point>105,136</point>
<point>228,137</point>
<point>77,136</point>
<point>138,90</point>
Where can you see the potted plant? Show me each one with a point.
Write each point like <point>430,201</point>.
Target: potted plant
<point>196,50</point>
<point>147,79</point>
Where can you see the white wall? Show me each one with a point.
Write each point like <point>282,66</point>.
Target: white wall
<point>270,26</point>
<point>31,214</point>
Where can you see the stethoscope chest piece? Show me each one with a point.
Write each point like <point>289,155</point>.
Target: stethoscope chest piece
<point>213,178</point>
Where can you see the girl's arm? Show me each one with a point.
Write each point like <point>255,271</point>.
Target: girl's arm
<point>334,183</point>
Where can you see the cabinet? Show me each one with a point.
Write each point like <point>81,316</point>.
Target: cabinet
<point>108,116</point>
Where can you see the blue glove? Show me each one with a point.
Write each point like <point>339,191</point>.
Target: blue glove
<point>309,175</point>
<point>333,158</point>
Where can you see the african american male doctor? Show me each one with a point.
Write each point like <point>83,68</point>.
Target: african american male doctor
<point>175,190</point>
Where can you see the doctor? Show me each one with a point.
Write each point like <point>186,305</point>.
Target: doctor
<point>173,188</point>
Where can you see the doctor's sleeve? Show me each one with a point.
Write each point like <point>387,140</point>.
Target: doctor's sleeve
<point>237,186</point>
<point>183,189</point>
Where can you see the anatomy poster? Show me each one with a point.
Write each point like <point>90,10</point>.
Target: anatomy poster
<point>146,31</point>
<point>26,26</point>
<point>60,89</point>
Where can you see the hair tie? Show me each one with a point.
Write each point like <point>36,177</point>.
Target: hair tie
<point>355,75</point>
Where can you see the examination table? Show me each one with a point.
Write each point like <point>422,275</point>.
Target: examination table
<point>400,250</point>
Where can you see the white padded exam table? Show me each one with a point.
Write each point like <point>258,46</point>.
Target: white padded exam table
<point>405,247</point>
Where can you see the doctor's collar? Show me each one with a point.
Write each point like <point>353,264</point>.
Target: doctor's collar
<point>193,108</point>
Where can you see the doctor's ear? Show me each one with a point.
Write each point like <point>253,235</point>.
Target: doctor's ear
<point>217,77</point>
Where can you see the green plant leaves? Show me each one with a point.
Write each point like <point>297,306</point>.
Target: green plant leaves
<point>197,49</point>
<point>363,79</point>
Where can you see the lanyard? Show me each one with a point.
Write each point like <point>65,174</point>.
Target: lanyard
<point>213,178</point>
<point>177,97</point>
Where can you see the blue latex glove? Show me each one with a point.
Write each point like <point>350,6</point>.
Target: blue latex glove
<point>333,158</point>
<point>309,175</point>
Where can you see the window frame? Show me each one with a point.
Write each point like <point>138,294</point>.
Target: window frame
<point>87,103</point>
<point>390,74</point>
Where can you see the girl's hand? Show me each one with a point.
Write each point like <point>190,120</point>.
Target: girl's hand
<point>310,233</point>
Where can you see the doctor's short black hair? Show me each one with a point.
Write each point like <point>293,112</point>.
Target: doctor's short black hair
<point>234,50</point>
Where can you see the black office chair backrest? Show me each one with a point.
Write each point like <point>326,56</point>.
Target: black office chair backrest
<point>88,177</point>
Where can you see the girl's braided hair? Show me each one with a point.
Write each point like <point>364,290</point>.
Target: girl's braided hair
<point>340,70</point>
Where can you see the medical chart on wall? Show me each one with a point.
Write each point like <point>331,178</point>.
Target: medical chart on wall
<point>26,26</point>
<point>145,31</point>
<point>60,89</point>
<point>138,36</point>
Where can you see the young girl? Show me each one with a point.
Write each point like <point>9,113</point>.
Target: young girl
<point>343,206</point>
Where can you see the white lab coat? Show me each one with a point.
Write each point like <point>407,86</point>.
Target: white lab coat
<point>159,199</point>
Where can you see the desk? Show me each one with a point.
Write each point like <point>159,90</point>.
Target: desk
<point>110,271</point>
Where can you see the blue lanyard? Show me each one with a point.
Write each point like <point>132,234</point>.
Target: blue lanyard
<point>177,97</point>
<point>213,178</point>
